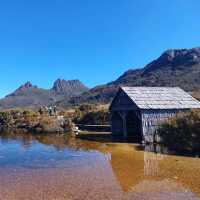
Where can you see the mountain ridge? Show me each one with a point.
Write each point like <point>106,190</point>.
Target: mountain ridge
<point>29,95</point>
<point>174,67</point>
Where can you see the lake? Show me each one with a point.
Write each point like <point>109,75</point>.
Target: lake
<point>56,167</point>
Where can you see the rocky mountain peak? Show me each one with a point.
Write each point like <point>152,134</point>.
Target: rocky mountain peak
<point>23,88</point>
<point>175,57</point>
<point>68,86</point>
<point>27,85</point>
<point>190,54</point>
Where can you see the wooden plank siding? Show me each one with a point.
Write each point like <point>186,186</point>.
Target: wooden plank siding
<point>152,119</point>
<point>148,108</point>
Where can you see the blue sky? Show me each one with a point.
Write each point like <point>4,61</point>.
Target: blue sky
<point>91,40</point>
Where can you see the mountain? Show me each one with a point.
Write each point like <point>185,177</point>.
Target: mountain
<point>29,95</point>
<point>68,88</point>
<point>175,67</point>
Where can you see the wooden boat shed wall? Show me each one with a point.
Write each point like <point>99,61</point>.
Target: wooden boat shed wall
<point>138,111</point>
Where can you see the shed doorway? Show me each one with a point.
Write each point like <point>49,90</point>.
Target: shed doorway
<point>117,124</point>
<point>133,126</point>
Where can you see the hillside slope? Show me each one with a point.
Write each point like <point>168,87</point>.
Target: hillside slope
<point>176,67</point>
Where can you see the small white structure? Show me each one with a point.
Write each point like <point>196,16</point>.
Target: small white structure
<point>76,130</point>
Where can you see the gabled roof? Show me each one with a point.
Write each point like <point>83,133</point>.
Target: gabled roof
<point>161,98</point>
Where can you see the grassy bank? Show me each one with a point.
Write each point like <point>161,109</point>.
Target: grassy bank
<point>33,121</point>
<point>90,114</point>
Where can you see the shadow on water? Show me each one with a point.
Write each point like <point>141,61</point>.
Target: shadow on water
<point>150,147</point>
<point>105,137</point>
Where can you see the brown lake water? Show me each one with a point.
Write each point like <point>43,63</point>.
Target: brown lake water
<point>49,167</point>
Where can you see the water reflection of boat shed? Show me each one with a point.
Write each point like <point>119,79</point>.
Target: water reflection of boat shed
<point>138,111</point>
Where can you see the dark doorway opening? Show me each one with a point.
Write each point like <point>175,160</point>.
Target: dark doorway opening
<point>133,125</point>
<point>117,124</point>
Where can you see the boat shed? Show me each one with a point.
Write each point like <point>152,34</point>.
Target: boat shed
<point>137,112</point>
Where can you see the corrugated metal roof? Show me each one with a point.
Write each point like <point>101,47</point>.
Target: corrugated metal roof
<point>161,97</point>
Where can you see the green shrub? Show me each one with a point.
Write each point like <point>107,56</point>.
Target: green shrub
<point>86,107</point>
<point>182,133</point>
<point>5,118</point>
<point>95,118</point>
<point>83,110</point>
<point>92,114</point>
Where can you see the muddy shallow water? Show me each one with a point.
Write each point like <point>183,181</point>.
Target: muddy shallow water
<point>61,168</point>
